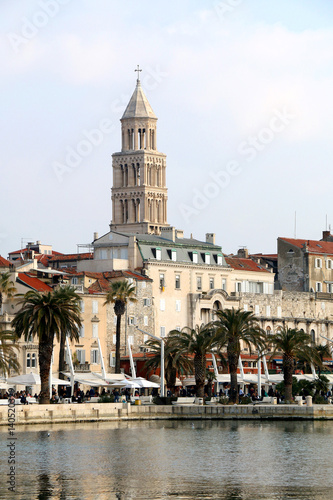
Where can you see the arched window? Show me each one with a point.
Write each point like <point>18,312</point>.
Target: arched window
<point>268,330</point>
<point>313,336</point>
<point>33,360</point>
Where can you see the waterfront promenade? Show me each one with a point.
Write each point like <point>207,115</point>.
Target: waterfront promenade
<point>95,412</point>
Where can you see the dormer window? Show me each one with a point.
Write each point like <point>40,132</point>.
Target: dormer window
<point>194,257</point>
<point>219,259</point>
<point>157,253</point>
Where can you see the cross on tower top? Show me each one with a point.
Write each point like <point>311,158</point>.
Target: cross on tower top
<point>138,70</point>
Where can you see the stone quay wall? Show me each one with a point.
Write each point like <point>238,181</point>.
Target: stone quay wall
<point>98,412</point>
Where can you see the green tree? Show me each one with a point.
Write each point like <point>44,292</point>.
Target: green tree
<point>8,359</point>
<point>196,342</point>
<point>119,294</point>
<point>234,326</point>
<point>46,315</point>
<point>7,286</point>
<point>175,361</point>
<point>294,344</point>
<point>323,351</point>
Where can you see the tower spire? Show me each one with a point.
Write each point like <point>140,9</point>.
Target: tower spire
<point>138,70</point>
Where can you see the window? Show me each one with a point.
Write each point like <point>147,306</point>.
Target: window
<point>329,264</point>
<point>178,305</point>
<point>238,286</point>
<point>162,331</point>
<point>211,283</point>
<point>219,259</point>
<point>82,331</point>
<point>195,257</point>
<point>256,310</point>
<point>95,306</point>
<point>146,302</point>
<point>279,311</point>
<point>319,286</point>
<point>28,360</point>
<point>145,321</point>
<point>162,281</point>
<point>95,330</point>
<point>94,357</point>
<point>329,287</point>
<point>268,310</point>
<point>178,328</point>
<point>103,254</point>
<point>81,355</point>
<point>74,281</point>
<point>199,283</point>
<point>115,320</point>
<point>207,258</point>
<point>174,255</point>
<point>82,305</point>
<point>114,339</point>
<point>131,339</point>
<point>162,305</point>
<point>268,330</point>
<point>158,254</point>
<point>112,359</point>
<point>224,284</point>
<point>177,281</point>
<point>318,263</point>
<point>131,320</point>
<point>245,307</point>
<point>313,335</point>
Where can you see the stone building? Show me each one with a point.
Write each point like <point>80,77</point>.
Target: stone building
<point>306,265</point>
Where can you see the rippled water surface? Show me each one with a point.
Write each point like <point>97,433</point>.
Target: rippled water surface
<point>167,459</point>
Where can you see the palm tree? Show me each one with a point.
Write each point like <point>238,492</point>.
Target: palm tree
<point>119,294</point>
<point>7,286</point>
<point>8,358</point>
<point>293,344</point>
<point>196,342</point>
<point>323,351</point>
<point>234,326</point>
<point>175,361</point>
<point>47,315</point>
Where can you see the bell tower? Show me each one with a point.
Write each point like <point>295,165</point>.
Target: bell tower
<point>139,193</point>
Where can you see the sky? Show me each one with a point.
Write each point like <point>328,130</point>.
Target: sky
<point>242,91</point>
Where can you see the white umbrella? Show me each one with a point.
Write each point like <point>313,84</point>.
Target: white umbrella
<point>146,384</point>
<point>33,379</point>
<point>126,384</point>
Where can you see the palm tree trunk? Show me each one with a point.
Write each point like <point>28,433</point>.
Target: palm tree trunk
<point>45,355</point>
<point>288,368</point>
<point>200,374</point>
<point>233,365</point>
<point>62,355</point>
<point>118,343</point>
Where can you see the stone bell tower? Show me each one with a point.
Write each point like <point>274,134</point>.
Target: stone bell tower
<point>139,193</point>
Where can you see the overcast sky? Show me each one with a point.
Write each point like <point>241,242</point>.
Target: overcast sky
<point>243,95</point>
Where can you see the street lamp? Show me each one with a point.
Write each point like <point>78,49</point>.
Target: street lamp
<point>161,341</point>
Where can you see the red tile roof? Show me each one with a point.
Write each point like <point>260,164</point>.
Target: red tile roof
<point>245,265</point>
<point>4,262</point>
<point>33,282</point>
<point>314,246</point>
<point>272,256</point>
<point>72,257</point>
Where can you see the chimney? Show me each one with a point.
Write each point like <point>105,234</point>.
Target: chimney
<point>168,232</point>
<point>243,253</point>
<point>210,238</point>
<point>326,236</point>
<point>95,236</point>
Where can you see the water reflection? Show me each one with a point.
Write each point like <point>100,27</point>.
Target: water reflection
<point>226,460</point>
